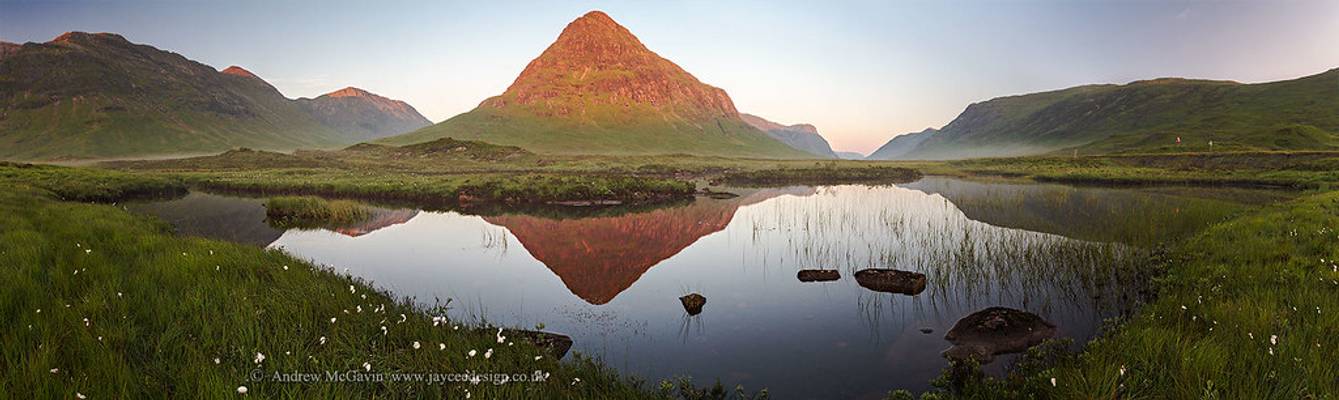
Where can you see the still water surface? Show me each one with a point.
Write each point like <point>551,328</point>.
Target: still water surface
<point>611,279</point>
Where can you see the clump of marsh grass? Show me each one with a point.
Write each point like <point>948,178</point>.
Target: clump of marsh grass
<point>311,211</point>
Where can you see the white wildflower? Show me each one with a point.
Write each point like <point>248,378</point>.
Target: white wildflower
<point>441,346</point>
<point>467,355</point>
<point>241,390</point>
<point>322,340</point>
<point>1052,382</point>
<point>488,354</point>
<point>367,366</point>
<point>260,358</point>
<point>416,345</point>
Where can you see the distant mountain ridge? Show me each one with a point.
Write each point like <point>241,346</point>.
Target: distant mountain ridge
<point>901,145</point>
<point>364,115</point>
<point>97,95</point>
<point>803,137</point>
<point>598,89</point>
<point>1159,115</point>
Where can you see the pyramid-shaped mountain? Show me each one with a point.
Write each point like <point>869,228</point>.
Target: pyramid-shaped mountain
<point>597,89</point>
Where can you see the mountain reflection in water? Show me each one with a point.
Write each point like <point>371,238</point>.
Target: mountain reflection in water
<point>600,257</point>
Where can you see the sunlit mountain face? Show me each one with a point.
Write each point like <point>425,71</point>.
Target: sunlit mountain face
<point>599,257</point>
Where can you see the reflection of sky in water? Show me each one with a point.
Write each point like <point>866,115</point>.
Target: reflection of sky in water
<point>761,326</point>
<point>613,282</point>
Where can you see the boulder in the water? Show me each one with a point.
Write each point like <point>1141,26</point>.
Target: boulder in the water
<point>692,303</point>
<point>996,330</point>
<point>818,275</point>
<point>556,344</point>
<point>891,281</point>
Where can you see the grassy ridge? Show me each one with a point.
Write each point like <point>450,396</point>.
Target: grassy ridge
<point>1147,116</point>
<point>105,304</point>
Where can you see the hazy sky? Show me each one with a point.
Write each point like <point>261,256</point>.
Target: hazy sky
<point>860,71</point>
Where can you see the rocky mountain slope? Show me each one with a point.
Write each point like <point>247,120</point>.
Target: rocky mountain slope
<point>802,137</point>
<point>597,89</point>
<point>97,95</point>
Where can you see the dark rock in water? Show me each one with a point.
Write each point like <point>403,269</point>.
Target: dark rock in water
<point>891,281</point>
<point>556,344</point>
<point>927,331</point>
<point>996,330</point>
<point>716,195</point>
<point>692,303</point>
<point>818,275</point>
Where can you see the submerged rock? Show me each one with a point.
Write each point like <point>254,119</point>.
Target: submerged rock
<point>692,303</point>
<point>556,344</point>
<point>891,281</point>
<point>716,195</point>
<point>996,330</point>
<point>818,275</point>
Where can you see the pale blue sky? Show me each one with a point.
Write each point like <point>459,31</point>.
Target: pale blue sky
<point>862,71</point>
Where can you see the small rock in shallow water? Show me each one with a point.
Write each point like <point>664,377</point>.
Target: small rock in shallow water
<point>818,275</point>
<point>996,330</point>
<point>692,303</point>
<point>891,281</point>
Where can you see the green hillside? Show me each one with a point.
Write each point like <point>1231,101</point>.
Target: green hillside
<point>617,132</point>
<point>99,96</point>
<point>1147,116</point>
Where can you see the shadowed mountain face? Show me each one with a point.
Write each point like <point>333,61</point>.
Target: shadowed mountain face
<point>802,137</point>
<point>364,116</point>
<point>597,89</point>
<point>97,95</point>
<point>597,258</point>
<point>901,145</point>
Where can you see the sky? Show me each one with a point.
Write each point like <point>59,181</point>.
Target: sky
<point>861,71</point>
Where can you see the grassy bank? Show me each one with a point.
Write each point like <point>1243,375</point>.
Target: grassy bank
<point>89,184</point>
<point>1247,309</point>
<point>105,304</point>
<point>829,175</point>
<point>1300,170</point>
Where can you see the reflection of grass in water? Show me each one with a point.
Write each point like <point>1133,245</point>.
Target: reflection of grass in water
<point>967,263</point>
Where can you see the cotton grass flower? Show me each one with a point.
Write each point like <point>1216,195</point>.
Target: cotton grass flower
<point>322,340</point>
<point>500,338</point>
<point>55,370</point>
<point>1052,382</point>
<point>488,354</point>
<point>367,366</point>
<point>467,355</point>
<point>416,345</point>
<point>441,346</point>
<point>80,396</point>
<point>1274,339</point>
<point>241,390</point>
<point>260,357</point>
